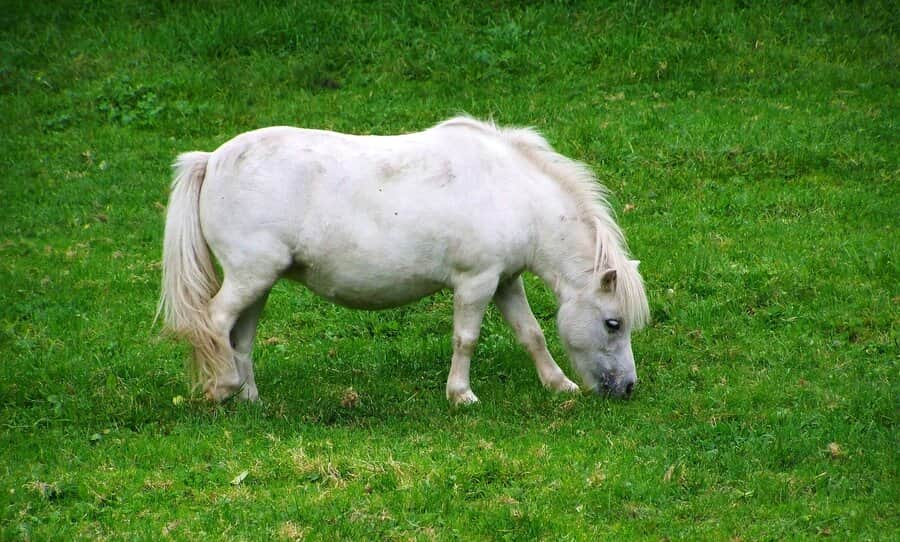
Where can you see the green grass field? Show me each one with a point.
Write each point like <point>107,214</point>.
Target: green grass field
<point>752,153</point>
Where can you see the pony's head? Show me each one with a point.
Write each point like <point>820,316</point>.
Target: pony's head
<point>595,325</point>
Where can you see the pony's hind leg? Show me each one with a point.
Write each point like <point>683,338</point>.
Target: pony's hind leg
<point>234,312</point>
<point>513,304</point>
<point>242,336</point>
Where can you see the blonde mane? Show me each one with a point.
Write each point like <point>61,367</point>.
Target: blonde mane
<point>590,196</point>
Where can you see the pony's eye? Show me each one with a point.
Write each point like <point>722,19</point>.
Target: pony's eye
<point>612,324</point>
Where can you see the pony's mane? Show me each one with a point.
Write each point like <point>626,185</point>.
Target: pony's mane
<point>590,197</point>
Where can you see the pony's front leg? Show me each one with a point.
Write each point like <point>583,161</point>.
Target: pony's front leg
<point>471,296</point>
<point>513,304</point>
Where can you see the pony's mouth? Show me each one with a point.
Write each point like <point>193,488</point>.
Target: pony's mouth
<point>610,386</point>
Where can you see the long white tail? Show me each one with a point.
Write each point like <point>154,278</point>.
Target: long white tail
<point>189,279</point>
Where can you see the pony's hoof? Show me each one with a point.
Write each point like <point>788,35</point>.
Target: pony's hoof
<point>565,386</point>
<point>559,383</point>
<point>463,398</point>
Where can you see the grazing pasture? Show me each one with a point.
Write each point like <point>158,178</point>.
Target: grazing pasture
<point>751,155</point>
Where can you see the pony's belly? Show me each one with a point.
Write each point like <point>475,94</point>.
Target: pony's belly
<point>365,292</point>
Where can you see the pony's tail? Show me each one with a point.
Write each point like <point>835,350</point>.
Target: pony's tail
<point>189,279</point>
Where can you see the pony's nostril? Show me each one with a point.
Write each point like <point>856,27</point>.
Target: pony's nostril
<point>628,388</point>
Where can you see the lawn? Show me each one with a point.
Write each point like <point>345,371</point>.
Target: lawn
<point>752,156</point>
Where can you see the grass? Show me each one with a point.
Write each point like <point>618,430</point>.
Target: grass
<point>754,146</point>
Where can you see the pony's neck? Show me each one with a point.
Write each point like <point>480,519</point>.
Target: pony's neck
<point>564,255</point>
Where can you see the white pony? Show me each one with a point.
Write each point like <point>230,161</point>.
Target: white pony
<point>373,222</point>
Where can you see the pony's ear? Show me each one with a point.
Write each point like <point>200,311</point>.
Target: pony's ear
<point>607,281</point>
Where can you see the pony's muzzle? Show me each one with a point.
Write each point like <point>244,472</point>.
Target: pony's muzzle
<point>617,387</point>
<point>224,390</point>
